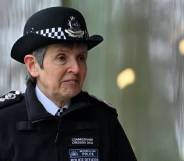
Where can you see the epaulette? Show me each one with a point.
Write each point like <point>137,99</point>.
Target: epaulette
<point>10,98</point>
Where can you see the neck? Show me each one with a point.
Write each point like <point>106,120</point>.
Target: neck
<point>57,100</point>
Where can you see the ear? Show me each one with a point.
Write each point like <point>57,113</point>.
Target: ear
<point>31,65</point>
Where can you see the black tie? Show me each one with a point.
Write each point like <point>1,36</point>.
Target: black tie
<point>60,111</point>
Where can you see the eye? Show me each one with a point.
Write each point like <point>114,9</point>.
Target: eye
<point>61,58</point>
<point>82,57</point>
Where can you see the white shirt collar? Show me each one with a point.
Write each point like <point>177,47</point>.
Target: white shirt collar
<point>49,105</point>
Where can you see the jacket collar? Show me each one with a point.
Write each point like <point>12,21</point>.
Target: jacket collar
<point>36,111</point>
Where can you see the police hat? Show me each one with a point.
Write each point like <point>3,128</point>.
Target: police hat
<point>53,25</point>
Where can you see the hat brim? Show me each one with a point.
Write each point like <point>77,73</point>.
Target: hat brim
<point>28,43</point>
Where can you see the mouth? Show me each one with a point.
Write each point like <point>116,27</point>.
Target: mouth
<point>71,81</point>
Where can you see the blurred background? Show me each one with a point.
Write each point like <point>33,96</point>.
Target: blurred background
<point>139,67</point>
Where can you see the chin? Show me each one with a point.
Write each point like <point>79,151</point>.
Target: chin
<point>72,93</point>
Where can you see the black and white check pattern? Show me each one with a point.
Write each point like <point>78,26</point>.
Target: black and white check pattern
<point>55,33</point>
<point>60,111</point>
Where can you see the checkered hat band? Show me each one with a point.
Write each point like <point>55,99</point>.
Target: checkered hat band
<point>55,33</point>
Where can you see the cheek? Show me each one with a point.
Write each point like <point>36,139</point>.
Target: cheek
<point>58,74</point>
<point>84,72</point>
<point>52,78</point>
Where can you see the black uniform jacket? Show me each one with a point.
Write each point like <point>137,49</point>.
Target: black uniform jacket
<point>87,131</point>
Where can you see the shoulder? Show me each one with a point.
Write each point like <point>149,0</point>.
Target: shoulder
<point>101,104</point>
<point>10,98</point>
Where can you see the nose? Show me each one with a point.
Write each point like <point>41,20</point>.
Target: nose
<point>74,67</point>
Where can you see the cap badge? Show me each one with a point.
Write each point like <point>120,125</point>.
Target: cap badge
<point>74,29</point>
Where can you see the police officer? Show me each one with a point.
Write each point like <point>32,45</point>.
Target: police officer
<point>54,120</point>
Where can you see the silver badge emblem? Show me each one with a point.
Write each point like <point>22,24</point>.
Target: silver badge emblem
<point>10,96</point>
<point>74,29</point>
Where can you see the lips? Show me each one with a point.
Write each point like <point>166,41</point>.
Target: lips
<point>71,81</point>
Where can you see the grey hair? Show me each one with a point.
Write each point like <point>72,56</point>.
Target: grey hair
<point>39,56</point>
